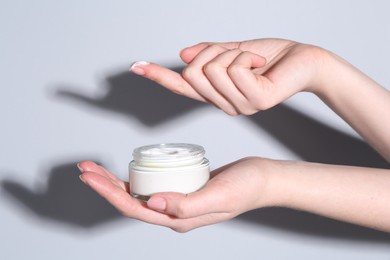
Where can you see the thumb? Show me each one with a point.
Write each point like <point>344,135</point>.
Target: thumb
<point>189,53</point>
<point>186,205</point>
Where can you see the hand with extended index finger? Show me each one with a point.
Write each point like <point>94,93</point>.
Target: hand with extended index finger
<point>241,77</point>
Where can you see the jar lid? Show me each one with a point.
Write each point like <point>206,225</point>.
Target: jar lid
<point>168,155</point>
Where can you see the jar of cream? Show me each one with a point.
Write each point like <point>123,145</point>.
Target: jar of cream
<point>171,167</point>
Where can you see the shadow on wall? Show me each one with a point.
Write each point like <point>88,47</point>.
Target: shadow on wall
<point>136,97</point>
<point>314,141</point>
<point>64,199</point>
<point>288,220</point>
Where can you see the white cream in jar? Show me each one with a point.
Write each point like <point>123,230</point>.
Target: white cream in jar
<point>172,167</point>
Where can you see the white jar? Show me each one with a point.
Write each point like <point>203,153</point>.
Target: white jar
<point>172,167</point>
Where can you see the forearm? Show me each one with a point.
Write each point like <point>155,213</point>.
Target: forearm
<point>359,100</point>
<point>352,194</point>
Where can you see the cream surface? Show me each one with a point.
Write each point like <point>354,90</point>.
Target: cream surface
<point>168,155</point>
<point>165,151</point>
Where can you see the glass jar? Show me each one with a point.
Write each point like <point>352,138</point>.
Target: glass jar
<point>171,167</point>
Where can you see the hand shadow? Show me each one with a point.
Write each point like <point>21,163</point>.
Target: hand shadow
<point>65,199</point>
<point>136,97</point>
<point>314,141</point>
<point>299,222</point>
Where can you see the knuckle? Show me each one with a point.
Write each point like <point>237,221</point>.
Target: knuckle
<point>231,112</point>
<point>216,48</point>
<point>181,211</point>
<point>248,111</point>
<point>248,54</point>
<point>180,229</point>
<point>259,101</point>
<point>261,104</point>
<point>189,73</point>
<point>211,67</point>
<point>234,69</point>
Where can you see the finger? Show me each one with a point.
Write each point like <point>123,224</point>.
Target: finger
<point>186,206</point>
<point>89,166</point>
<point>253,86</point>
<point>169,79</point>
<point>123,202</point>
<point>208,199</point>
<point>216,72</point>
<point>189,53</point>
<point>194,74</point>
<point>109,190</point>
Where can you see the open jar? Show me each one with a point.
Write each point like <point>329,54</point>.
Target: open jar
<point>171,167</point>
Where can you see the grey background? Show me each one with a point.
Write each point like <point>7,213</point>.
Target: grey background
<point>66,96</point>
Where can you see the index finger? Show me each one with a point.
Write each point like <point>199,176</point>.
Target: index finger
<point>169,79</point>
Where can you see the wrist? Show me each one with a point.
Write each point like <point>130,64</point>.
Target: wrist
<point>273,184</point>
<point>284,182</point>
<point>322,63</point>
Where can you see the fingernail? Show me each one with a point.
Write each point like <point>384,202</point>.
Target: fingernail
<point>136,67</point>
<point>81,169</point>
<point>157,203</point>
<point>82,178</point>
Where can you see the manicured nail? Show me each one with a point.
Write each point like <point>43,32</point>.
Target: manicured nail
<point>157,203</point>
<point>81,169</point>
<point>136,67</point>
<point>82,178</point>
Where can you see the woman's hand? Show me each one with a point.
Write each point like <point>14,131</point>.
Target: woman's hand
<point>232,190</point>
<point>241,77</point>
<point>353,194</point>
<point>249,76</point>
